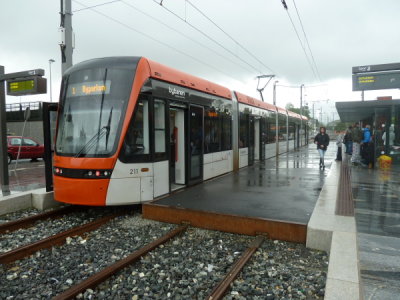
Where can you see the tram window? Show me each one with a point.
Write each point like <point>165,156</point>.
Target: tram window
<point>270,127</point>
<point>243,130</point>
<point>137,143</point>
<point>282,134</point>
<point>226,132</point>
<point>159,127</point>
<point>212,131</point>
<point>292,127</point>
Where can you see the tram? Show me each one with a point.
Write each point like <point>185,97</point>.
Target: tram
<point>130,130</point>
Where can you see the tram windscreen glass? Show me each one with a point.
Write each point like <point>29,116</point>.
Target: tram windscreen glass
<point>92,111</point>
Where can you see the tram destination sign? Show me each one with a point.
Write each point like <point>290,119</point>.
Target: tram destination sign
<point>27,86</point>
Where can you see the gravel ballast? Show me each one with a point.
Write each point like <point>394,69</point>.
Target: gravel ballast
<point>23,213</point>
<point>282,270</point>
<point>45,228</point>
<point>49,272</point>
<point>189,267</point>
<point>186,267</point>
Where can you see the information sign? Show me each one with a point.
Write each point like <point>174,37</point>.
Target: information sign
<point>27,86</point>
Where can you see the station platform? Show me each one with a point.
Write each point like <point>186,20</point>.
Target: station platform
<point>376,195</point>
<point>275,197</point>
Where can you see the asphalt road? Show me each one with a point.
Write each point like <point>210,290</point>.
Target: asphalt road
<point>26,175</point>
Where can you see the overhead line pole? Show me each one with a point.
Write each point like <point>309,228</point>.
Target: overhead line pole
<point>3,134</point>
<point>301,110</point>
<point>66,42</point>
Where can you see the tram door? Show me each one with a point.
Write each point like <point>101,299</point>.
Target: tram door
<point>196,150</point>
<point>177,147</point>
<point>257,139</point>
<point>251,140</point>
<point>263,132</point>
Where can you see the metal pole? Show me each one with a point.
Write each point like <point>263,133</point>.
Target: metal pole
<point>362,95</point>
<point>274,93</point>
<point>66,24</point>
<point>51,90</point>
<point>5,188</point>
<point>276,135</point>
<point>301,112</point>
<point>262,97</point>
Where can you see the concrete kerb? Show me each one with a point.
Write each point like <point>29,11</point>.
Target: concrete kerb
<point>336,235</point>
<point>39,199</point>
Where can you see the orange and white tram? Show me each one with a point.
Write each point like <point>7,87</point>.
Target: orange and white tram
<point>130,130</point>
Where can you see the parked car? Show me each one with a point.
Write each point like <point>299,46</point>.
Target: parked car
<point>30,148</point>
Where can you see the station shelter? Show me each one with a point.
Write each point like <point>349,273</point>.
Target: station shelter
<point>384,118</point>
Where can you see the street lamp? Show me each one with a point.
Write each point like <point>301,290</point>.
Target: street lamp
<point>51,91</point>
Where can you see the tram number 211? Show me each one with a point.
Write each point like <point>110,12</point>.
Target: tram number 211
<point>133,171</point>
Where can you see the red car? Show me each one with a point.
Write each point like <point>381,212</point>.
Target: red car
<point>29,148</point>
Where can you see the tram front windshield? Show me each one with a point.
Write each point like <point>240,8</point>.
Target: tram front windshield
<point>92,112</point>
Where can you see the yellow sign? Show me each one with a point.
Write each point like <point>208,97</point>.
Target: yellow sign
<point>20,86</point>
<point>89,88</point>
<point>366,79</point>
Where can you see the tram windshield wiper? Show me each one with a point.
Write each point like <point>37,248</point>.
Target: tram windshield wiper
<point>108,127</point>
<point>105,130</point>
<point>89,145</point>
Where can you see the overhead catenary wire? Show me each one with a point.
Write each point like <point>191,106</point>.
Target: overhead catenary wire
<point>156,40</point>
<point>298,37</point>
<point>183,34</point>
<point>97,5</point>
<point>229,36</point>
<point>208,37</point>
<point>307,42</point>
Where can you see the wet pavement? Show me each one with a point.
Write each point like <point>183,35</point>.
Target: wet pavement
<point>27,176</point>
<point>283,189</point>
<point>377,210</point>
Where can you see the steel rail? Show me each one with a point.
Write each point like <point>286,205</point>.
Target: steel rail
<point>53,240</point>
<point>220,289</point>
<point>29,221</point>
<point>107,272</point>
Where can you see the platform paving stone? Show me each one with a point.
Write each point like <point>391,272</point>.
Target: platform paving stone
<point>377,200</point>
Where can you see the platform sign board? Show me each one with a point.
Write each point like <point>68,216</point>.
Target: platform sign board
<point>27,86</point>
<point>376,77</point>
<point>376,81</point>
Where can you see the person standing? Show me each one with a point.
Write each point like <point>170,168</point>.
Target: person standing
<point>365,142</point>
<point>348,141</point>
<point>357,138</point>
<point>339,142</point>
<point>322,142</point>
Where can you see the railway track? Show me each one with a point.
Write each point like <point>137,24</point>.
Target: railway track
<point>57,239</point>
<point>217,293</point>
<point>130,256</point>
<point>30,221</point>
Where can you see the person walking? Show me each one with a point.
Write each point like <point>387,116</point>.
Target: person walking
<point>357,135</point>
<point>322,142</point>
<point>339,142</point>
<point>348,140</point>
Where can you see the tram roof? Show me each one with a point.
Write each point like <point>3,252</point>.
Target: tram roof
<point>293,114</point>
<point>281,110</point>
<point>242,98</point>
<point>165,73</point>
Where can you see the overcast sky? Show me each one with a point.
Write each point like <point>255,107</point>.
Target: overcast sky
<point>341,33</point>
